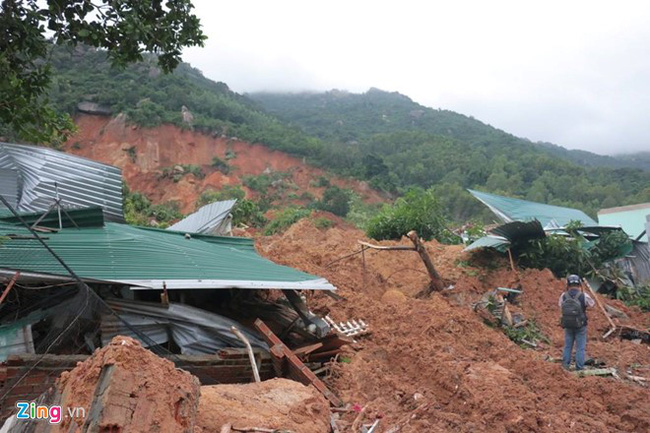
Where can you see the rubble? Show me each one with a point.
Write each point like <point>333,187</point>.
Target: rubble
<point>471,377</point>
<point>124,387</point>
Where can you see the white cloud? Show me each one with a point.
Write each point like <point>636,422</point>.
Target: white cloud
<point>572,73</point>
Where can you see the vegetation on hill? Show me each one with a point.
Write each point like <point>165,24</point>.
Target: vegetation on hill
<point>384,138</point>
<point>149,98</point>
<point>396,143</point>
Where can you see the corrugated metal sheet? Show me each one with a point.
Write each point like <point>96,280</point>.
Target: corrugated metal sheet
<point>88,217</point>
<point>632,219</point>
<point>195,331</point>
<point>639,260</point>
<point>210,219</point>
<point>81,182</point>
<point>150,258</point>
<point>514,209</point>
<point>9,188</point>
<point>496,242</point>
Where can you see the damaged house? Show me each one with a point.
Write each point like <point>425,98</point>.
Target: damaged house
<point>73,276</point>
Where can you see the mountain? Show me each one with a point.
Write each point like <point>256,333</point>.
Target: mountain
<point>347,117</point>
<point>639,160</point>
<point>381,137</point>
<point>395,142</point>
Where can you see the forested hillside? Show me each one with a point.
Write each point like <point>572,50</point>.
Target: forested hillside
<point>397,142</point>
<point>149,98</point>
<point>381,137</point>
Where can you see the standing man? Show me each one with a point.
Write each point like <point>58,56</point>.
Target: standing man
<point>574,303</point>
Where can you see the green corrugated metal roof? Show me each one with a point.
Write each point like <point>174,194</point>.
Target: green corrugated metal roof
<point>498,243</point>
<point>87,217</point>
<point>514,209</point>
<point>632,219</point>
<point>148,257</point>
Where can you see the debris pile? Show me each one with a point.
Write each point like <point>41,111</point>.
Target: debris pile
<point>433,365</point>
<point>280,404</point>
<point>124,387</point>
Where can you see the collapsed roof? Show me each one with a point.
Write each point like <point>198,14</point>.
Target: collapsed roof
<point>143,258</point>
<point>32,178</point>
<point>211,219</point>
<point>513,209</point>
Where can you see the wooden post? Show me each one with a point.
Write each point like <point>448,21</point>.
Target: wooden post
<point>9,286</point>
<point>436,283</point>
<point>609,319</point>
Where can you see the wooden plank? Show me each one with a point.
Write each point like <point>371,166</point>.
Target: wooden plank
<point>297,369</point>
<point>386,248</point>
<point>593,294</point>
<point>9,286</point>
<point>306,350</point>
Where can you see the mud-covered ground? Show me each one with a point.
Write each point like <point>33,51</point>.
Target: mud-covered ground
<point>433,365</point>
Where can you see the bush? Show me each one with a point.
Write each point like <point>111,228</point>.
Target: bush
<point>565,255</point>
<point>285,219</point>
<point>417,210</point>
<point>335,200</point>
<point>177,174</point>
<point>221,165</point>
<point>249,213</point>
<point>323,223</point>
<point>320,182</point>
<point>228,192</point>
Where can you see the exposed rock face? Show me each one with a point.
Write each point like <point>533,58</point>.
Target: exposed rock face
<point>128,389</point>
<point>273,404</point>
<point>188,117</point>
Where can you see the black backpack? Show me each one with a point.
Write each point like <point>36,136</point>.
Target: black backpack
<point>573,312</point>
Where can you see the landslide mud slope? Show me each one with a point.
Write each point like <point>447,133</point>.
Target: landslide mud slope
<point>434,366</point>
<point>142,154</point>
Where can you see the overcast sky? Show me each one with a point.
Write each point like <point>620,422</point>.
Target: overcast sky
<point>573,73</point>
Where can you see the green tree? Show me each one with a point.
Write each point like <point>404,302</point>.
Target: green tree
<point>124,28</point>
<point>335,200</point>
<point>417,210</point>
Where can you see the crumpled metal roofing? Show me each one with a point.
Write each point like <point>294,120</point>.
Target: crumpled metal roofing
<point>81,182</point>
<point>514,209</point>
<point>195,331</point>
<point>149,258</point>
<point>210,219</point>
<point>498,243</point>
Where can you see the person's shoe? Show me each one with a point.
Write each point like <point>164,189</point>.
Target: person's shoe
<point>566,367</point>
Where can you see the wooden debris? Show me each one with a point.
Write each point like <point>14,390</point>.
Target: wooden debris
<point>436,284</point>
<point>306,350</point>
<point>9,286</point>
<point>260,430</point>
<point>286,361</point>
<point>600,305</point>
<point>249,349</point>
<point>351,328</point>
<point>597,372</point>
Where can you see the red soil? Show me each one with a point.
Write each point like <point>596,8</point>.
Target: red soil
<point>159,398</point>
<point>432,365</point>
<point>272,404</point>
<point>108,140</point>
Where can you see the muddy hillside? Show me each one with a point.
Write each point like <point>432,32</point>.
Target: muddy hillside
<point>146,154</point>
<point>434,365</point>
